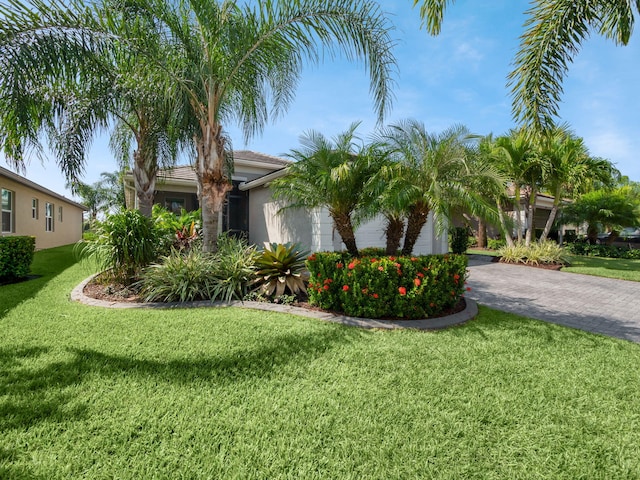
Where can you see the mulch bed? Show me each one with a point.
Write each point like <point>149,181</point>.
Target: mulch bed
<point>114,292</point>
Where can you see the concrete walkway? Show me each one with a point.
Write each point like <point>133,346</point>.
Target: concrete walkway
<point>600,305</point>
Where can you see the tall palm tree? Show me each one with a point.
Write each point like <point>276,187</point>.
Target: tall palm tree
<point>433,175</point>
<point>554,33</point>
<point>242,64</point>
<point>329,173</point>
<point>513,156</point>
<point>570,170</point>
<point>94,84</point>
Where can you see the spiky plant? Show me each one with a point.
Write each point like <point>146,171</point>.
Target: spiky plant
<point>280,267</point>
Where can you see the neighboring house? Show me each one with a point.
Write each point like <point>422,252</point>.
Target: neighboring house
<point>30,209</point>
<point>252,211</point>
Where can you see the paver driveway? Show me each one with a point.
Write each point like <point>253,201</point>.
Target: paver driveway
<point>601,305</point>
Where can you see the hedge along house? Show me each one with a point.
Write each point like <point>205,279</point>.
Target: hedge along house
<point>252,211</point>
<point>33,210</point>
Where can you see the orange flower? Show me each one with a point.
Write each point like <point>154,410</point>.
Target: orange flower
<point>420,274</point>
<point>381,268</point>
<point>339,265</point>
<point>375,295</point>
<point>416,282</point>
<point>326,287</point>
<point>352,265</point>
<point>456,277</point>
<point>402,290</point>
<point>345,288</point>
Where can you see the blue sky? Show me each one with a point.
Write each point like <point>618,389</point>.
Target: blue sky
<point>458,77</point>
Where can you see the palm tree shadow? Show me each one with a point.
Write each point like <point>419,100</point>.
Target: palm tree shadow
<point>36,395</point>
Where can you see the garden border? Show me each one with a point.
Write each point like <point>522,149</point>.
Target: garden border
<point>469,312</point>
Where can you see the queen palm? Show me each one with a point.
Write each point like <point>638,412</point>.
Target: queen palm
<point>96,81</point>
<point>554,32</point>
<point>242,64</point>
<point>433,175</point>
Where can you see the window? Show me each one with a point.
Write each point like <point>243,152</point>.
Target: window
<point>60,214</point>
<point>7,211</point>
<point>34,208</point>
<point>174,205</point>
<point>48,217</point>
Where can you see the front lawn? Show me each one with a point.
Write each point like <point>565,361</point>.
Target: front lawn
<point>620,268</point>
<point>88,392</point>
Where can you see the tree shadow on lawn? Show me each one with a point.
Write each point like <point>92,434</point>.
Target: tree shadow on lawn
<point>35,395</point>
<point>47,265</point>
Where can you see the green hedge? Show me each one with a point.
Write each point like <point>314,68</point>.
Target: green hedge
<point>604,251</point>
<point>386,287</point>
<point>16,255</point>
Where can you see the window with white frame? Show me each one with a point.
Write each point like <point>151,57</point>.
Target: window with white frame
<point>8,201</point>
<point>34,208</point>
<point>60,214</point>
<point>48,217</point>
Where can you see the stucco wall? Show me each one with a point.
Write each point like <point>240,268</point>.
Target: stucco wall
<point>314,229</point>
<point>67,231</point>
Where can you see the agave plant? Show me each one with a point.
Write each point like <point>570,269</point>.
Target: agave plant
<point>280,268</point>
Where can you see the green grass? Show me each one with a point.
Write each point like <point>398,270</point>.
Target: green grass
<point>88,392</point>
<point>605,267</point>
<point>481,251</point>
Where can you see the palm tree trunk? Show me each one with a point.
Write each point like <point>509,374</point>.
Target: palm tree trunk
<point>343,224</point>
<point>516,206</point>
<point>213,182</point>
<point>481,233</point>
<point>145,170</point>
<point>416,219</point>
<point>393,234</point>
<point>506,231</point>
<point>531,211</point>
<point>549,224</point>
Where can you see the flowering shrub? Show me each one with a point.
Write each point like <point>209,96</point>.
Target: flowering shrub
<point>384,287</point>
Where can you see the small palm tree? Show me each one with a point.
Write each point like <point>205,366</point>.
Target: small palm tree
<point>432,174</point>
<point>329,173</point>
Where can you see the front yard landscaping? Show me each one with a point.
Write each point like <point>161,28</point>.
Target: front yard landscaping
<point>233,393</point>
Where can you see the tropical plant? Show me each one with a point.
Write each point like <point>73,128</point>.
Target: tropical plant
<point>383,287</point>
<point>99,77</point>
<point>125,243</point>
<point>570,170</point>
<point>234,268</point>
<point>329,173</point>
<point>545,253</point>
<point>602,209</point>
<point>180,232</point>
<point>554,32</point>
<point>101,196</point>
<point>242,64</point>
<point>432,175</point>
<point>460,240</point>
<point>179,277</point>
<point>280,269</point>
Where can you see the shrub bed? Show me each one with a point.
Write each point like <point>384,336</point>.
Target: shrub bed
<point>16,255</point>
<point>604,251</point>
<point>386,287</point>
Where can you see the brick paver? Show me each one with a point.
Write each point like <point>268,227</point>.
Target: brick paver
<point>600,305</point>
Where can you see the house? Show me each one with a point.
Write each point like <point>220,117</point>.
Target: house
<point>32,210</point>
<point>252,211</point>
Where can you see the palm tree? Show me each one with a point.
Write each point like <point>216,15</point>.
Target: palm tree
<point>570,170</point>
<point>331,174</point>
<point>611,210</point>
<point>433,175</point>
<point>92,87</point>
<point>554,32</point>
<point>242,64</point>
<point>513,156</point>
